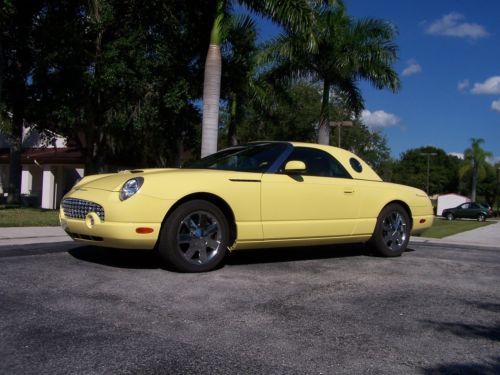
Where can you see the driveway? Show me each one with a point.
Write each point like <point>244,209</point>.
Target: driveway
<point>76,309</point>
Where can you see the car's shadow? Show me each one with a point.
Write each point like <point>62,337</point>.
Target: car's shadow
<point>147,259</point>
<point>292,254</point>
<point>120,258</point>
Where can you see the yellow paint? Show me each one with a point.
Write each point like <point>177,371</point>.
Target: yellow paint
<point>270,210</point>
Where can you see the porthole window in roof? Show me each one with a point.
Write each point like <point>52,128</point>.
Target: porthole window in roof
<point>356,165</point>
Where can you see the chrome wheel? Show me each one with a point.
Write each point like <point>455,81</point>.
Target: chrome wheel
<point>199,237</point>
<point>394,231</point>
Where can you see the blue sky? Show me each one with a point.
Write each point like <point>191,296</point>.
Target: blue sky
<point>449,65</point>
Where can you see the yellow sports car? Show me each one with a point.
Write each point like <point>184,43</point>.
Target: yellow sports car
<point>264,194</point>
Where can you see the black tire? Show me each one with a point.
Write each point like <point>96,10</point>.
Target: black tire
<point>481,217</point>
<point>392,231</point>
<point>185,242</point>
<point>450,216</point>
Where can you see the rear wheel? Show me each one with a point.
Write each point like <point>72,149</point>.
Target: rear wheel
<point>392,231</point>
<point>195,237</point>
<point>481,217</point>
<point>450,216</point>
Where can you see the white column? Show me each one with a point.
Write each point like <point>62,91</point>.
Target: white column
<point>26,180</point>
<point>48,184</point>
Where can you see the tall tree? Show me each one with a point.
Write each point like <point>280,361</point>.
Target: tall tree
<point>295,15</point>
<point>347,51</point>
<point>411,169</point>
<point>289,113</point>
<point>239,59</point>
<point>120,72</point>
<point>17,29</point>
<point>475,164</point>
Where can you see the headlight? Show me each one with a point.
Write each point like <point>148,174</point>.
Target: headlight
<point>131,187</point>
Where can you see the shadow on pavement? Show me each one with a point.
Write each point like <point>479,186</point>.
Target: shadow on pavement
<point>493,367</point>
<point>292,254</point>
<point>120,258</point>
<point>147,259</point>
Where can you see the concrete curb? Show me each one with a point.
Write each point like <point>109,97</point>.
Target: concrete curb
<point>32,235</point>
<point>444,242</point>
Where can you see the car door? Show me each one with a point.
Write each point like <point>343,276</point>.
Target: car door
<point>463,211</point>
<point>474,211</point>
<point>321,202</point>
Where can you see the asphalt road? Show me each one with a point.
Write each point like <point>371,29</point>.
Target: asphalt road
<point>332,310</point>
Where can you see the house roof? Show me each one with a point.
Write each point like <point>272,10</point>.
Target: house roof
<point>45,156</point>
<point>451,195</point>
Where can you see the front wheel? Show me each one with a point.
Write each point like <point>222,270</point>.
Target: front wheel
<point>392,231</point>
<point>450,216</point>
<point>195,237</point>
<point>481,217</point>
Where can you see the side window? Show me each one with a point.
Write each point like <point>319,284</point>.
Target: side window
<point>318,163</point>
<point>465,206</point>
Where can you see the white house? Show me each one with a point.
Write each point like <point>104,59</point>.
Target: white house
<point>449,201</point>
<point>49,168</point>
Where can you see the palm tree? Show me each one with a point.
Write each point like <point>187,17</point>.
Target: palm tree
<point>294,15</point>
<point>475,163</point>
<point>239,60</point>
<point>347,51</point>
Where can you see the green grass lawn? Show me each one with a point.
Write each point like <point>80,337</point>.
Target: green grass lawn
<point>27,217</point>
<point>443,228</point>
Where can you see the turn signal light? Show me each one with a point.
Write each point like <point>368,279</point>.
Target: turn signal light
<point>144,230</point>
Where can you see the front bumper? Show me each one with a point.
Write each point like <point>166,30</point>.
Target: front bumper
<point>108,234</point>
<point>117,224</point>
<point>421,223</point>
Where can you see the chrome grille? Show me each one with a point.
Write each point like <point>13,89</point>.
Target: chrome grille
<point>79,208</point>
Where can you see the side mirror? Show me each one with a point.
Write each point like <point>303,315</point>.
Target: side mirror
<point>295,167</point>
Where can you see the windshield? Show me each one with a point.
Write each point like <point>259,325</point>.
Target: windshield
<point>257,157</point>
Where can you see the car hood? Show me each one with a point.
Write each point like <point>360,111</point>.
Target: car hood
<point>115,181</point>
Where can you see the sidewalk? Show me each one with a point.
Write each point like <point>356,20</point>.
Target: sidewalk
<point>32,235</point>
<point>488,236</point>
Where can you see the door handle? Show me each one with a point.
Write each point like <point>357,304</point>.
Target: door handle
<point>348,190</point>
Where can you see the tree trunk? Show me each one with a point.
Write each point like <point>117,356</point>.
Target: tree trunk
<point>475,173</point>
<point>211,87</point>
<point>231,131</point>
<point>324,121</point>
<point>211,96</point>
<point>1,72</point>
<point>15,168</point>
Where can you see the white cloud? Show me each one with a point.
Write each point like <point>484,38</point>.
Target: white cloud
<point>379,119</point>
<point>490,86</point>
<point>463,85</point>
<point>459,155</point>
<point>412,68</point>
<point>453,24</point>
<point>495,105</point>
